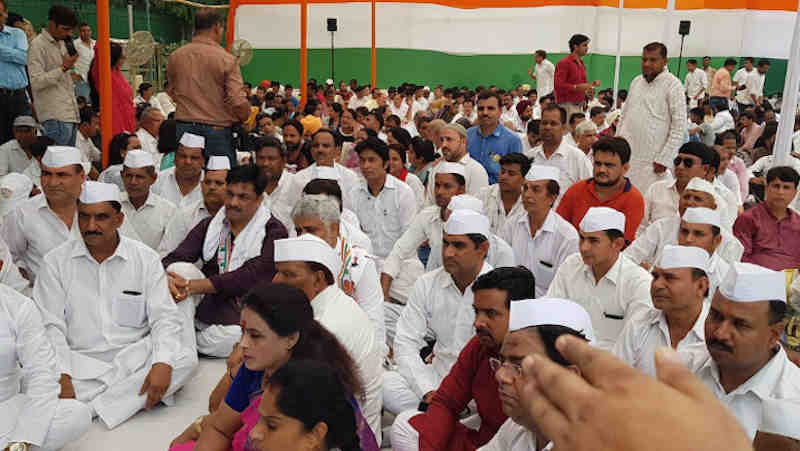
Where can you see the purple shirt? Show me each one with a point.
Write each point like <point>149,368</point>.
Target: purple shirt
<point>223,306</point>
<point>768,242</point>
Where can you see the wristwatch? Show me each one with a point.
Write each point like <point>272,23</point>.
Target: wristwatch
<point>18,446</point>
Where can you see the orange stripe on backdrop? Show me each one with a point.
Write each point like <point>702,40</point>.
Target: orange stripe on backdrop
<point>475,4</point>
<point>766,5</point>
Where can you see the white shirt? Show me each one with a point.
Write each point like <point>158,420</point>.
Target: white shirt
<point>355,102</point>
<point>385,217</point>
<point>732,203</point>
<point>182,222</point>
<point>648,245</point>
<point>543,253</point>
<point>400,111</point>
<point>352,232</point>
<point>755,84</point>
<point>113,174</point>
<point>339,313</point>
<point>437,308</point>
<point>754,403</point>
<point>416,186</point>
<point>648,330</point>
<point>545,76</point>
<point>34,172</point>
<point>740,78</point>
<point>13,158</point>
<point>278,203</point>
<point>766,163</point>
<point>167,105</point>
<point>23,344</point>
<point>695,82</point>
<point>9,273</point>
<point>151,219</point>
<point>85,57</point>
<point>348,180</point>
<point>149,144</point>
<point>571,162</point>
<point>722,121</point>
<point>113,320</point>
<point>471,118</point>
<point>660,201</point>
<point>731,181</point>
<point>513,437</point>
<point>89,152</point>
<point>510,115</point>
<point>167,187</point>
<point>611,301</point>
<point>474,174</point>
<point>494,209</point>
<point>153,103</point>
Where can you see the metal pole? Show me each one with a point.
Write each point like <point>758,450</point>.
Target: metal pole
<point>619,49</point>
<point>373,55</point>
<point>303,52</point>
<point>783,140</point>
<point>130,18</point>
<point>332,64</point>
<point>680,57</point>
<point>104,65</point>
<point>147,8</point>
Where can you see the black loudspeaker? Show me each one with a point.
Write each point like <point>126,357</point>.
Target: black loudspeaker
<point>683,28</point>
<point>332,24</point>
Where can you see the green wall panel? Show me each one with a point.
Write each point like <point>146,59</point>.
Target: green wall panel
<point>396,66</point>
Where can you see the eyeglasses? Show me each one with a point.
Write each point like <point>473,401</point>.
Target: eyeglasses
<point>687,162</point>
<point>496,364</point>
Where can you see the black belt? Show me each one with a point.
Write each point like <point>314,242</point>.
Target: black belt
<point>220,127</point>
<point>11,92</point>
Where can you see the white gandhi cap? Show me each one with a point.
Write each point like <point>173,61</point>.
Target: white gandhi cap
<point>193,141</point>
<point>746,282</point>
<point>136,159</point>
<point>218,163</point>
<point>701,215</point>
<point>538,172</point>
<point>698,184</point>
<point>61,156</point>
<point>598,219</point>
<point>683,257</point>
<point>550,312</point>
<point>326,173</point>
<point>446,167</point>
<point>465,202</point>
<point>308,248</point>
<point>95,192</point>
<point>464,222</point>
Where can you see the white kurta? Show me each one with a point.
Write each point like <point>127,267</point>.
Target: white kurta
<point>347,180</point>
<point>695,82</point>
<point>150,145</point>
<point>545,78</point>
<point>740,78</point>
<point>9,273</point>
<point>513,437</point>
<point>151,219</point>
<point>110,322</point>
<point>416,186</point>
<point>654,124</point>
<point>648,331</point>
<point>543,253</point>
<point>611,301</point>
<point>13,158</point>
<point>112,174</point>
<point>385,217</point>
<point>35,416</point>
<point>182,222</point>
<point>494,209</point>
<point>475,176</point>
<point>766,402</point>
<point>338,313</point>
<point>571,162</point>
<point>660,201</point>
<point>89,152</point>
<point>167,187</point>
<point>277,202</point>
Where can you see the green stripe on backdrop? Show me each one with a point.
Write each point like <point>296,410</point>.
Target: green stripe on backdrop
<point>396,66</point>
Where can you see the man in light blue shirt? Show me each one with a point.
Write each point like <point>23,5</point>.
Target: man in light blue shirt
<point>489,141</point>
<point>13,80</point>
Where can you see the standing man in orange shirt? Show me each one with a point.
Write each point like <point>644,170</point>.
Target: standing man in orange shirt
<point>206,84</point>
<point>721,85</point>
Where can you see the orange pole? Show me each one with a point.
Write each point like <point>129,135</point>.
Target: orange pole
<point>229,33</point>
<point>303,52</point>
<point>373,57</point>
<point>104,62</point>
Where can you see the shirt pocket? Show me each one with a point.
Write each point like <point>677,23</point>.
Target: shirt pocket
<point>129,309</point>
<point>8,355</point>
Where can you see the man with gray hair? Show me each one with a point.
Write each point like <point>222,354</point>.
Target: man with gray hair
<point>453,141</point>
<point>148,132</point>
<point>585,136</point>
<point>318,214</point>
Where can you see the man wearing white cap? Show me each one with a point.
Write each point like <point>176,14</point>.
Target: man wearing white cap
<point>185,219</point>
<point>677,318</point>
<point>45,221</point>
<point>610,286</point>
<point>542,240</point>
<point>533,327</point>
<point>15,155</point>
<point>34,415</point>
<point>121,344</point>
<point>744,365</point>
<point>235,247</point>
<point>454,150</point>
<point>440,305</point>
<point>310,264</point>
<point>319,215</point>
<point>147,212</point>
<point>500,253</point>
<point>181,184</point>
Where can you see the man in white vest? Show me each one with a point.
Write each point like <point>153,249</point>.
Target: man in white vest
<point>181,184</point>
<point>147,212</point>
<point>121,343</point>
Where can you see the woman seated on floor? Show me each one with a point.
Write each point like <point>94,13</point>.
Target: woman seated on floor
<point>278,327</point>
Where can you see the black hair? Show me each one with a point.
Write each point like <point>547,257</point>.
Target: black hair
<point>533,126</point>
<point>336,107</point>
<point>247,173</point>
<point>311,106</point>
<point>337,138</point>
<point>553,188</point>
<point>459,178</point>
<point>777,311</point>
<point>554,107</point>
<point>485,95</point>
<point>378,116</point>
<point>12,16</point>
<point>314,267</point>
<point>691,61</point>
<point>698,111</point>
<point>325,186</point>
<point>269,141</point>
<point>301,380</point>
<point>294,123</point>
<point>730,62</point>
<point>374,144</point>
<point>40,145</point>
<point>784,174</point>
<point>541,53</point>
<point>575,116</point>
<point>87,114</point>
<point>423,148</point>
<point>400,151</point>
<point>402,136</point>
<point>616,145</point>
<point>517,281</point>
<point>115,147</point>
<point>656,46</point>
<point>62,16</point>
<point>477,239</point>
<point>144,87</point>
<point>168,136</point>
<point>549,334</point>
<point>699,150</point>
<point>613,234</point>
<point>594,111</point>
<point>576,40</point>
<point>714,160</point>
<point>516,158</point>
<point>207,18</point>
<point>763,62</point>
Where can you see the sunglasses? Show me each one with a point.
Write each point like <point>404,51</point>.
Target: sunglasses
<point>687,162</point>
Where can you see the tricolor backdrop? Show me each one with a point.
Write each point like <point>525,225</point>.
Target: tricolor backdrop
<point>471,42</point>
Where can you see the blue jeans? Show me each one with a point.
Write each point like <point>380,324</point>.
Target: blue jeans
<point>218,139</point>
<point>82,90</point>
<point>63,133</point>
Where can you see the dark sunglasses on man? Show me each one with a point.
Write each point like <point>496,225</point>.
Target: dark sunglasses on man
<point>687,162</point>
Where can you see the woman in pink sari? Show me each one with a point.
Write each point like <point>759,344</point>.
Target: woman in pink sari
<point>123,113</point>
<point>278,327</point>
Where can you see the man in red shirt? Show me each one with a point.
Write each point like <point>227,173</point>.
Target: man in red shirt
<point>571,86</point>
<point>439,427</point>
<point>608,188</point>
